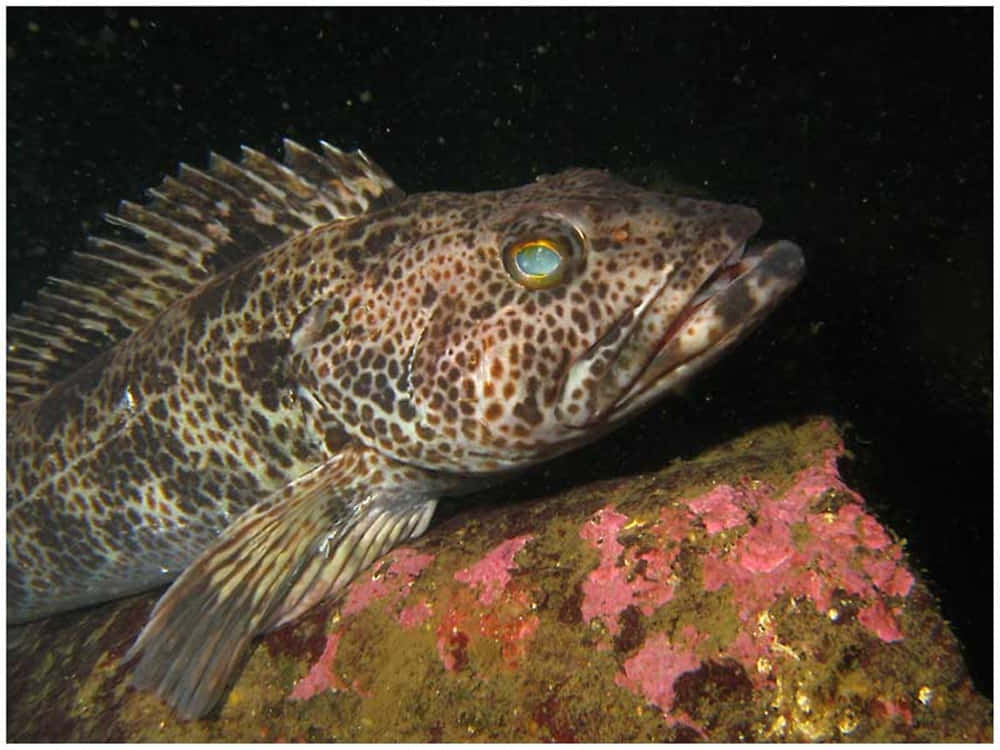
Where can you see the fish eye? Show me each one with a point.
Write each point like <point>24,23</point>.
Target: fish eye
<point>538,263</point>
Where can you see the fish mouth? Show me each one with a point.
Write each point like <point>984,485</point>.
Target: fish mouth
<point>654,347</point>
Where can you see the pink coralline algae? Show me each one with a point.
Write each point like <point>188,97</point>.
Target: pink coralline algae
<point>641,580</point>
<point>877,618</point>
<point>655,668</point>
<point>492,574</point>
<point>415,614</point>
<point>814,542</point>
<point>502,612</point>
<point>390,580</point>
<point>321,675</point>
<point>800,547</point>
<point>717,510</point>
<point>393,582</point>
<point>898,710</point>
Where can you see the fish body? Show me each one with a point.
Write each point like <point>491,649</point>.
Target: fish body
<point>297,361</point>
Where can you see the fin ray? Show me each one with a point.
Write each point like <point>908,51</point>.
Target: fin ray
<point>194,225</point>
<point>300,545</point>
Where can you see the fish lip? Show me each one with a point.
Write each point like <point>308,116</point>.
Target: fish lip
<point>741,289</point>
<point>774,267</point>
<point>743,259</point>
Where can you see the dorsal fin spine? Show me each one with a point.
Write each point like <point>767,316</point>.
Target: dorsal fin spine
<point>147,219</point>
<point>136,257</point>
<point>195,225</point>
<point>83,302</point>
<point>163,242</point>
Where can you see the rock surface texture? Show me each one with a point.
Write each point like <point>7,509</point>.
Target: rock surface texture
<point>744,595</point>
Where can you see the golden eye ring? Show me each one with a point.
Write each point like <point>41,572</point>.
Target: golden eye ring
<point>538,263</point>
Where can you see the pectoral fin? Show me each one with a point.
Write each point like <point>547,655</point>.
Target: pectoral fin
<point>301,544</point>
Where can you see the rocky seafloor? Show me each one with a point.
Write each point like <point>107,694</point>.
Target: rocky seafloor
<point>747,594</point>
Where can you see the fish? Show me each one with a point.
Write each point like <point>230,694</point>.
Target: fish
<point>267,374</point>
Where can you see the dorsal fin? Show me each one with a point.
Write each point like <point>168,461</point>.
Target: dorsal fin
<point>195,225</point>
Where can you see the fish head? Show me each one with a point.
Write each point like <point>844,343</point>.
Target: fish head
<point>529,321</point>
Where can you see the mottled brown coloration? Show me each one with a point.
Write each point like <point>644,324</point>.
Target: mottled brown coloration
<point>302,361</point>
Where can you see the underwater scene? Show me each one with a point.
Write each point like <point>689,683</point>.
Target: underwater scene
<point>509,375</point>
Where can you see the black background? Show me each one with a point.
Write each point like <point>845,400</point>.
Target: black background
<point>863,134</point>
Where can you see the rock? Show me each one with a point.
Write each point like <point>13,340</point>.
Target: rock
<point>747,594</point>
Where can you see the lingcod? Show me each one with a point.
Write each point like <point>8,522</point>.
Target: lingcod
<point>269,372</point>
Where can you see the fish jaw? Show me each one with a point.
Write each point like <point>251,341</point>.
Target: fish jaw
<point>661,343</point>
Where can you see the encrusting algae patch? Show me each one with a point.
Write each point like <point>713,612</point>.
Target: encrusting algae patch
<point>708,601</point>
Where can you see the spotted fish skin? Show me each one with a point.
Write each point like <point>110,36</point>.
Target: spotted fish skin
<point>289,418</point>
<point>161,442</point>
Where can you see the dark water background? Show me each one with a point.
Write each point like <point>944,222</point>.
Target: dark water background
<point>863,134</point>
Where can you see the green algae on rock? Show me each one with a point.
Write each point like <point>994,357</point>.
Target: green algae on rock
<point>722,598</point>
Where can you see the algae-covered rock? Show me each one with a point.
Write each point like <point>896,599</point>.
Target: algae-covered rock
<point>747,594</point>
